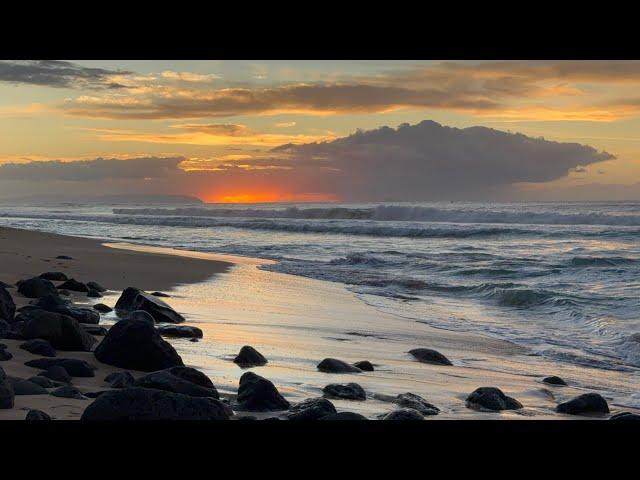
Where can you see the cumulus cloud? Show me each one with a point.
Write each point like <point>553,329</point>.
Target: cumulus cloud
<point>59,74</point>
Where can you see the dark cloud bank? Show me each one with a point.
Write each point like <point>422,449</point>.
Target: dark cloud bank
<point>426,161</point>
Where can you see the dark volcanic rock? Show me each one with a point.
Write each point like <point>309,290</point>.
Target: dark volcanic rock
<point>554,381</point>
<point>349,391</point>
<point>365,366</point>
<point>259,394</point>
<point>94,294</point>
<point>57,373</point>
<point>74,367</point>
<point>62,331</point>
<point>68,391</point>
<point>181,331</point>
<point>94,329</point>
<point>54,276</point>
<point>4,328</point>
<point>403,414</point>
<point>344,416</point>
<point>491,398</point>
<point>249,357</point>
<point>586,403</point>
<point>59,305</point>
<point>36,287</point>
<point>332,365</point>
<point>416,402</point>
<point>37,346</point>
<point>192,375</point>
<point>160,294</point>
<point>148,404</point>
<point>37,415</point>
<point>7,306</point>
<point>142,316</point>
<point>625,417</point>
<point>427,355</point>
<point>166,380</point>
<point>136,299</point>
<point>311,409</point>
<point>136,344</point>
<point>44,382</point>
<point>74,285</point>
<point>6,391</point>
<point>26,387</point>
<point>120,379</point>
<point>5,355</point>
<point>96,286</point>
<point>102,308</point>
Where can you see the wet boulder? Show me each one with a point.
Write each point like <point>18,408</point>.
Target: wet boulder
<point>102,308</point>
<point>36,287</point>
<point>584,404</point>
<point>7,306</point>
<point>416,402</point>
<point>62,331</point>
<point>256,393</point>
<point>491,398</point>
<point>160,294</point>
<point>179,331</point>
<point>404,415</point>
<point>166,380</point>
<point>120,379</point>
<point>7,395</point>
<point>364,365</point>
<point>94,294</point>
<point>625,417</point>
<point>427,355</point>
<point>349,391</point>
<point>37,415</point>
<point>94,329</point>
<point>44,382</point>
<point>136,345</point>
<point>136,299</point>
<point>96,286</point>
<point>26,387</point>
<point>57,304</point>
<point>249,357</point>
<point>332,365</point>
<point>74,367</point>
<point>148,404</point>
<point>57,374</point>
<point>54,276</point>
<point>5,355</point>
<point>553,380</point>
<point>38,346</point>
<point>4,328</point>
<point>311,409</point>
<point>74,285</point>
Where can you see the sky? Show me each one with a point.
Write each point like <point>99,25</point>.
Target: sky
<point>265,131</point>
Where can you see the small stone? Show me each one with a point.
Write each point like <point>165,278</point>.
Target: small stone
<point>554,381</point>
<point>333,365</point>
<point>365,366</point>
<point>427,355</point>
<point>249,357</point>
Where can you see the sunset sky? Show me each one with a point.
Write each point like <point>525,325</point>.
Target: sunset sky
<point>283,130</point>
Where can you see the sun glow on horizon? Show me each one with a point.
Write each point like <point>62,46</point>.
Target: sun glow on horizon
<point>268,197</point>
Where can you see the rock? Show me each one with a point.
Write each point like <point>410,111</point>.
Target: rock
<point>94,294</point>
<point>96,286</point>
<point>427,355</point>
<point>26,387</point>
<point>54,276</point>
<point>554,381</point>
<point>625,417</point>
<point>66,293</point>
<point>416,402</point>
<point>7,306</point>
<point>192,375</point>
<point>37,415</point>
<point>159,294</point>
<point>349,391</point>
<point>14,331</point>
<point>64,257</point>
<point>94,329</point>
<point>135,344</point>
<point>102,308</point>
<point>181,331</point>
<point>37,346</point>
<point>124,304</point>
<point>57,373</point>
<point>141,315</point>
<point>249,357</point>
<point>344,416</point>
<point>311,409</point>
<point>5,285</point>
<point>95,394</point>
<point>491,398</point>
<point>74,367</point>
<point>74,285</point>
<point>6,391</point>
<point>44,382</point>
<point>259,394</point>
<point>403,414</point>
<point>365,366</point>
<point>5,355</point>
<point>120,379</point>
<point>166,380</point>
<point>586,403</point>
<point>60,305</point>
<point>36,287</point>
<point>62,331</point>
<point>193,340</point>
<point>148,404</point>
<point>68,391</point>
<point>4,328</point>
<point>332,365</point>
<point>136,299</point>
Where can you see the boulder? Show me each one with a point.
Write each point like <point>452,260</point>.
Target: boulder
<point>349,391</point>
<point>44,382</point>
<point>5,285</point>
<point>166,380</point>
<point>159,294</point>
<point>62,331</point>
<point>259,394</point>
<point>68,391</point>
<point>120,379</point>
<point>625,417</point>
<point>94,329</point>
<point>332,365</point>
<point>94,294</point>
<point>4,328</point>
<point>74,367</point>
<point>249,357</point>
<point>148,404</point>
<point>74,285</point>
<point>26,387</point>
<point>180,331</point>
<point>141,315</point>
<point>36,287</point>
<point>427,355</point>
<point>311,409</point>
<point>416,402</point>
<point>59,305</point>
<point>6,391</point>
<point>102,308</point>
<point>585,403</point>
<point>554,381</point>
<point>96,286</point>
<point>344,416</point>
<point>64,257</point>
<point>491,398</point>
<point>135,344</point>
<point>54,276</point>
<point>124,304</point>
<point>5,355</point>
<point>56,373</point>
<point>365,366</point>
<point>192,375</point>
<point>403,414</point>
<point>37,415</point>
<point>38,346</point>
<point>136,299</point>
<point>7,306</point>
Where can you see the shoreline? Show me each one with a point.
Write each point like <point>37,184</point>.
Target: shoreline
<point>119,265</point>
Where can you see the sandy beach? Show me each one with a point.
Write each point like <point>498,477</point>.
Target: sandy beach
<point>295,322</point>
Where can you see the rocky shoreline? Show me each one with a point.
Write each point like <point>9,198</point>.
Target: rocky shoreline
<point>136,374</point>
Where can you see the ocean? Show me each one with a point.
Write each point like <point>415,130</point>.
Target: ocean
<point>562,279</point>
